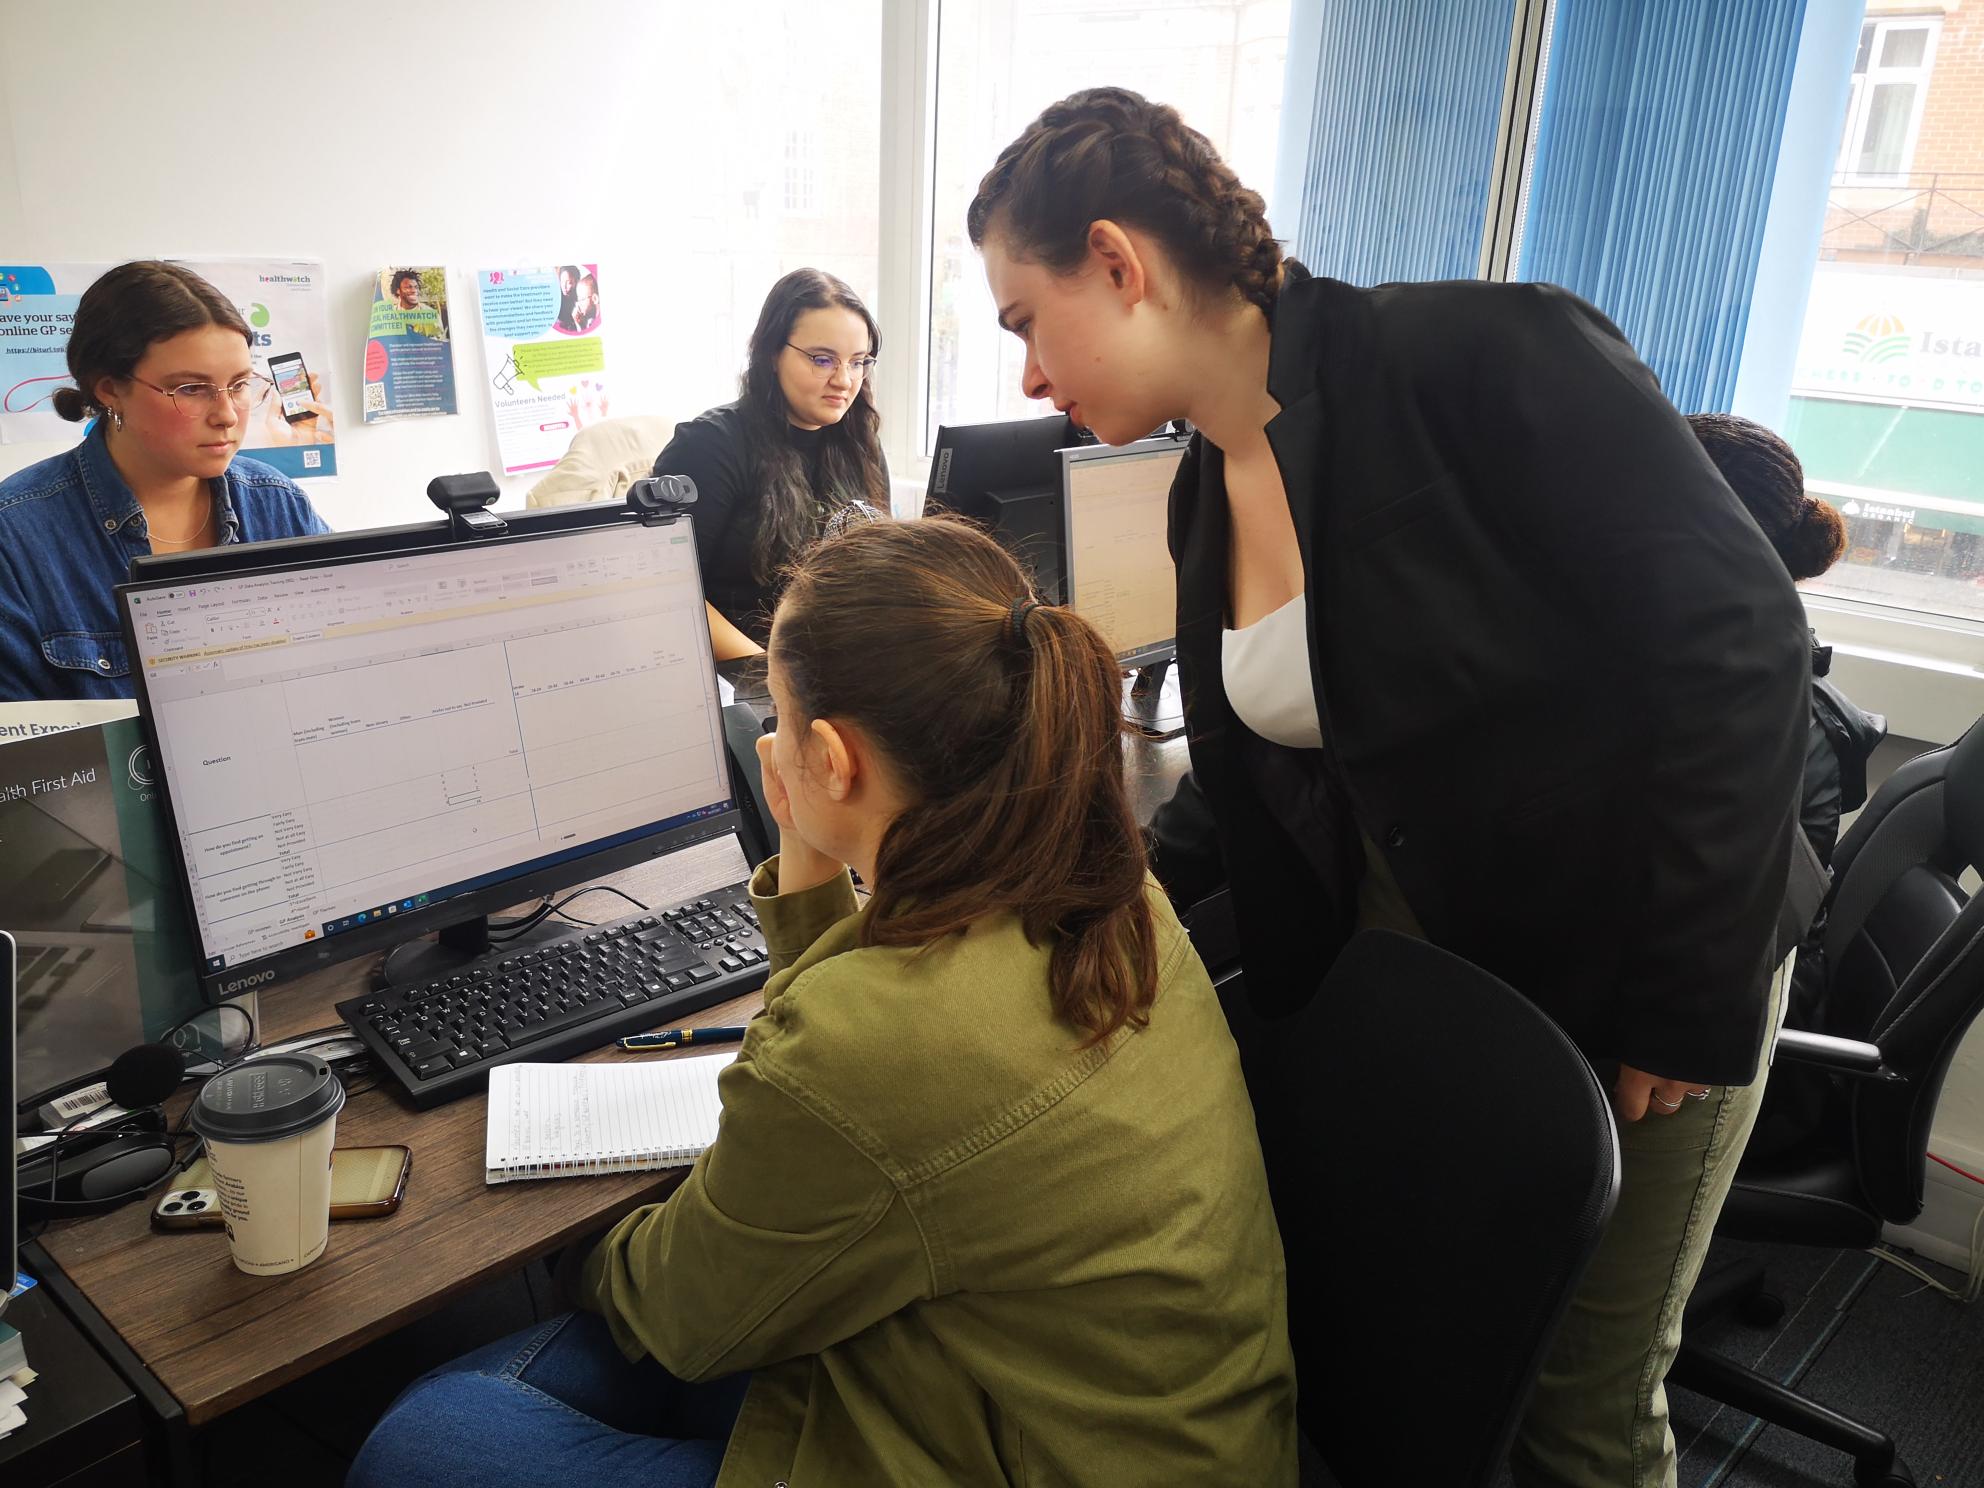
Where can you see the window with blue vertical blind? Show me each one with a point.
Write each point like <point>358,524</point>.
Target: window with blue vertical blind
<point>1401,145</point>
<point>1647,195</point>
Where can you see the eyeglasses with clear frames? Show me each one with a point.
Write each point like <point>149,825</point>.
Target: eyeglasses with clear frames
<point>825,362</point>
<point>196,399</point>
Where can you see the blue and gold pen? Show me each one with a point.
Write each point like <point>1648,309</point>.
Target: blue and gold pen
<point>669,1038</point>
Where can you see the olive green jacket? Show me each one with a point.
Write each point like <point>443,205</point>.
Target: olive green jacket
<point>956,1248</point>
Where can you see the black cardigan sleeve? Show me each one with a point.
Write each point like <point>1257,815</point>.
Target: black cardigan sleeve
<point>706,450</point>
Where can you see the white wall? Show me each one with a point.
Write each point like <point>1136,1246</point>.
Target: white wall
<point>647,135</point>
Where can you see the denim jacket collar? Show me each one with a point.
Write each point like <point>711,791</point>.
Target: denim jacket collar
<point>112,503</point>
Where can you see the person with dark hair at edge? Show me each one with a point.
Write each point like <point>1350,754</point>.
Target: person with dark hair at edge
<point>161,362</point>
<point>1810,537</point>
<point>987,1202</point>
<point>1474,645</point>
<point>799,454</point>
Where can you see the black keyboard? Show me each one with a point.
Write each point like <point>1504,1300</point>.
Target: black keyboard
<point>440,1039</point>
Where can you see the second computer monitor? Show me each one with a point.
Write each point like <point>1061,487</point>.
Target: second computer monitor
<point>1007,477</point>
<point>1117,561</point>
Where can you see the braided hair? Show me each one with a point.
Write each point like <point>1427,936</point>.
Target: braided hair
<point>1110,153</point>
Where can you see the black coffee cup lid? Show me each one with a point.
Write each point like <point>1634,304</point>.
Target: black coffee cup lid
<point>265,1100</point>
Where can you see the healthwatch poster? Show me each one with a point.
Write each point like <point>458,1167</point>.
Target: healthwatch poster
<point>284,301</point>
<point>546,358</point>
<point>409,362</point>
<point>281,300</point>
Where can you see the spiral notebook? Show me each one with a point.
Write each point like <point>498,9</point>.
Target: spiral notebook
<point>565,1120</point>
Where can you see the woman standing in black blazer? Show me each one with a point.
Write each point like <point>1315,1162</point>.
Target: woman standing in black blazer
<point>1475,644</point>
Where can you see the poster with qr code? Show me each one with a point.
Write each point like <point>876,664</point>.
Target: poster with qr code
<point>409,358</point>
<point>283,301</point>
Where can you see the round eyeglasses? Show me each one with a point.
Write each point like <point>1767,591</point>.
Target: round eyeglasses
<point>195,399</point>
<point>825,362</point>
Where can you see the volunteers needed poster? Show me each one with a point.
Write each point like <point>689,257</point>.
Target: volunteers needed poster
<point>281,300</point>
<point>546,358</point>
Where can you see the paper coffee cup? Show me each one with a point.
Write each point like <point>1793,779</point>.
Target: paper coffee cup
<point>269,1124</point>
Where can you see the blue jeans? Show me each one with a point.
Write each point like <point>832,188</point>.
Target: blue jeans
<point>555,1403</point>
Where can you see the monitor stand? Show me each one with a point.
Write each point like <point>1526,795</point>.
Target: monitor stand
<point>412,962</point>
<point>1152,704</point>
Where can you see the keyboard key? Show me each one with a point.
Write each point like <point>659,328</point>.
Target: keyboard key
<point>490,1047</point>
<point>731,963</point>
<point>428,1068</point>
<point>701,974</point>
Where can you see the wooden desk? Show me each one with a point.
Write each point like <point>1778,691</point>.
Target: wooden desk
<point>215,1338</point>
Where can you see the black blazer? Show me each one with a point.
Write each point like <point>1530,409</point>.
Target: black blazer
<point>1562,676</point>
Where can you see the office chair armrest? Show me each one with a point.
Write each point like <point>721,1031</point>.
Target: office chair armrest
<point>1844,1056</point>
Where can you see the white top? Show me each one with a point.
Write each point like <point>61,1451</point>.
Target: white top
<point>1266,670</point>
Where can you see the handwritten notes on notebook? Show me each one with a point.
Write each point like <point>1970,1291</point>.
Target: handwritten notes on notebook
<point>561,1120</point>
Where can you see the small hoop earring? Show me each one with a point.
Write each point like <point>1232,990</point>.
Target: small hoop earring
<point>117,421</point>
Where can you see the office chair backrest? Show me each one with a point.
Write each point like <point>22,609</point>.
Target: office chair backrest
<point>1442,1162</point>
<point>1905,946</point>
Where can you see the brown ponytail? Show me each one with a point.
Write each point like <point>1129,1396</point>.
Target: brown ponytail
<point>1003,719</point>
<point>1108,152</point>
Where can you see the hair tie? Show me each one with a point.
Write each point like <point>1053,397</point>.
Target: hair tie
<point>1016,620</point>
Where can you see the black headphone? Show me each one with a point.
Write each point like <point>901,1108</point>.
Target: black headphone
<point>95,1170</point>
<point>91,1172</point>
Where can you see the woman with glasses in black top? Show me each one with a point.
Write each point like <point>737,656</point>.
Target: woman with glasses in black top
<point>796,456</point>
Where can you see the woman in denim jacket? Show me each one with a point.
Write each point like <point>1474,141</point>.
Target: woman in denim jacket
<point>161,361</point>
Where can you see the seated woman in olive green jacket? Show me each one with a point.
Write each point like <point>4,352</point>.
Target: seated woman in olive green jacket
<point>987,1205</point>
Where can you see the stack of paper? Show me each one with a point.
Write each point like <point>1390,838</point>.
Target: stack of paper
<point>15,1377</point>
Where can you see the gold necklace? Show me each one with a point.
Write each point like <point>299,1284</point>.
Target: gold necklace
<point>186,541</point>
